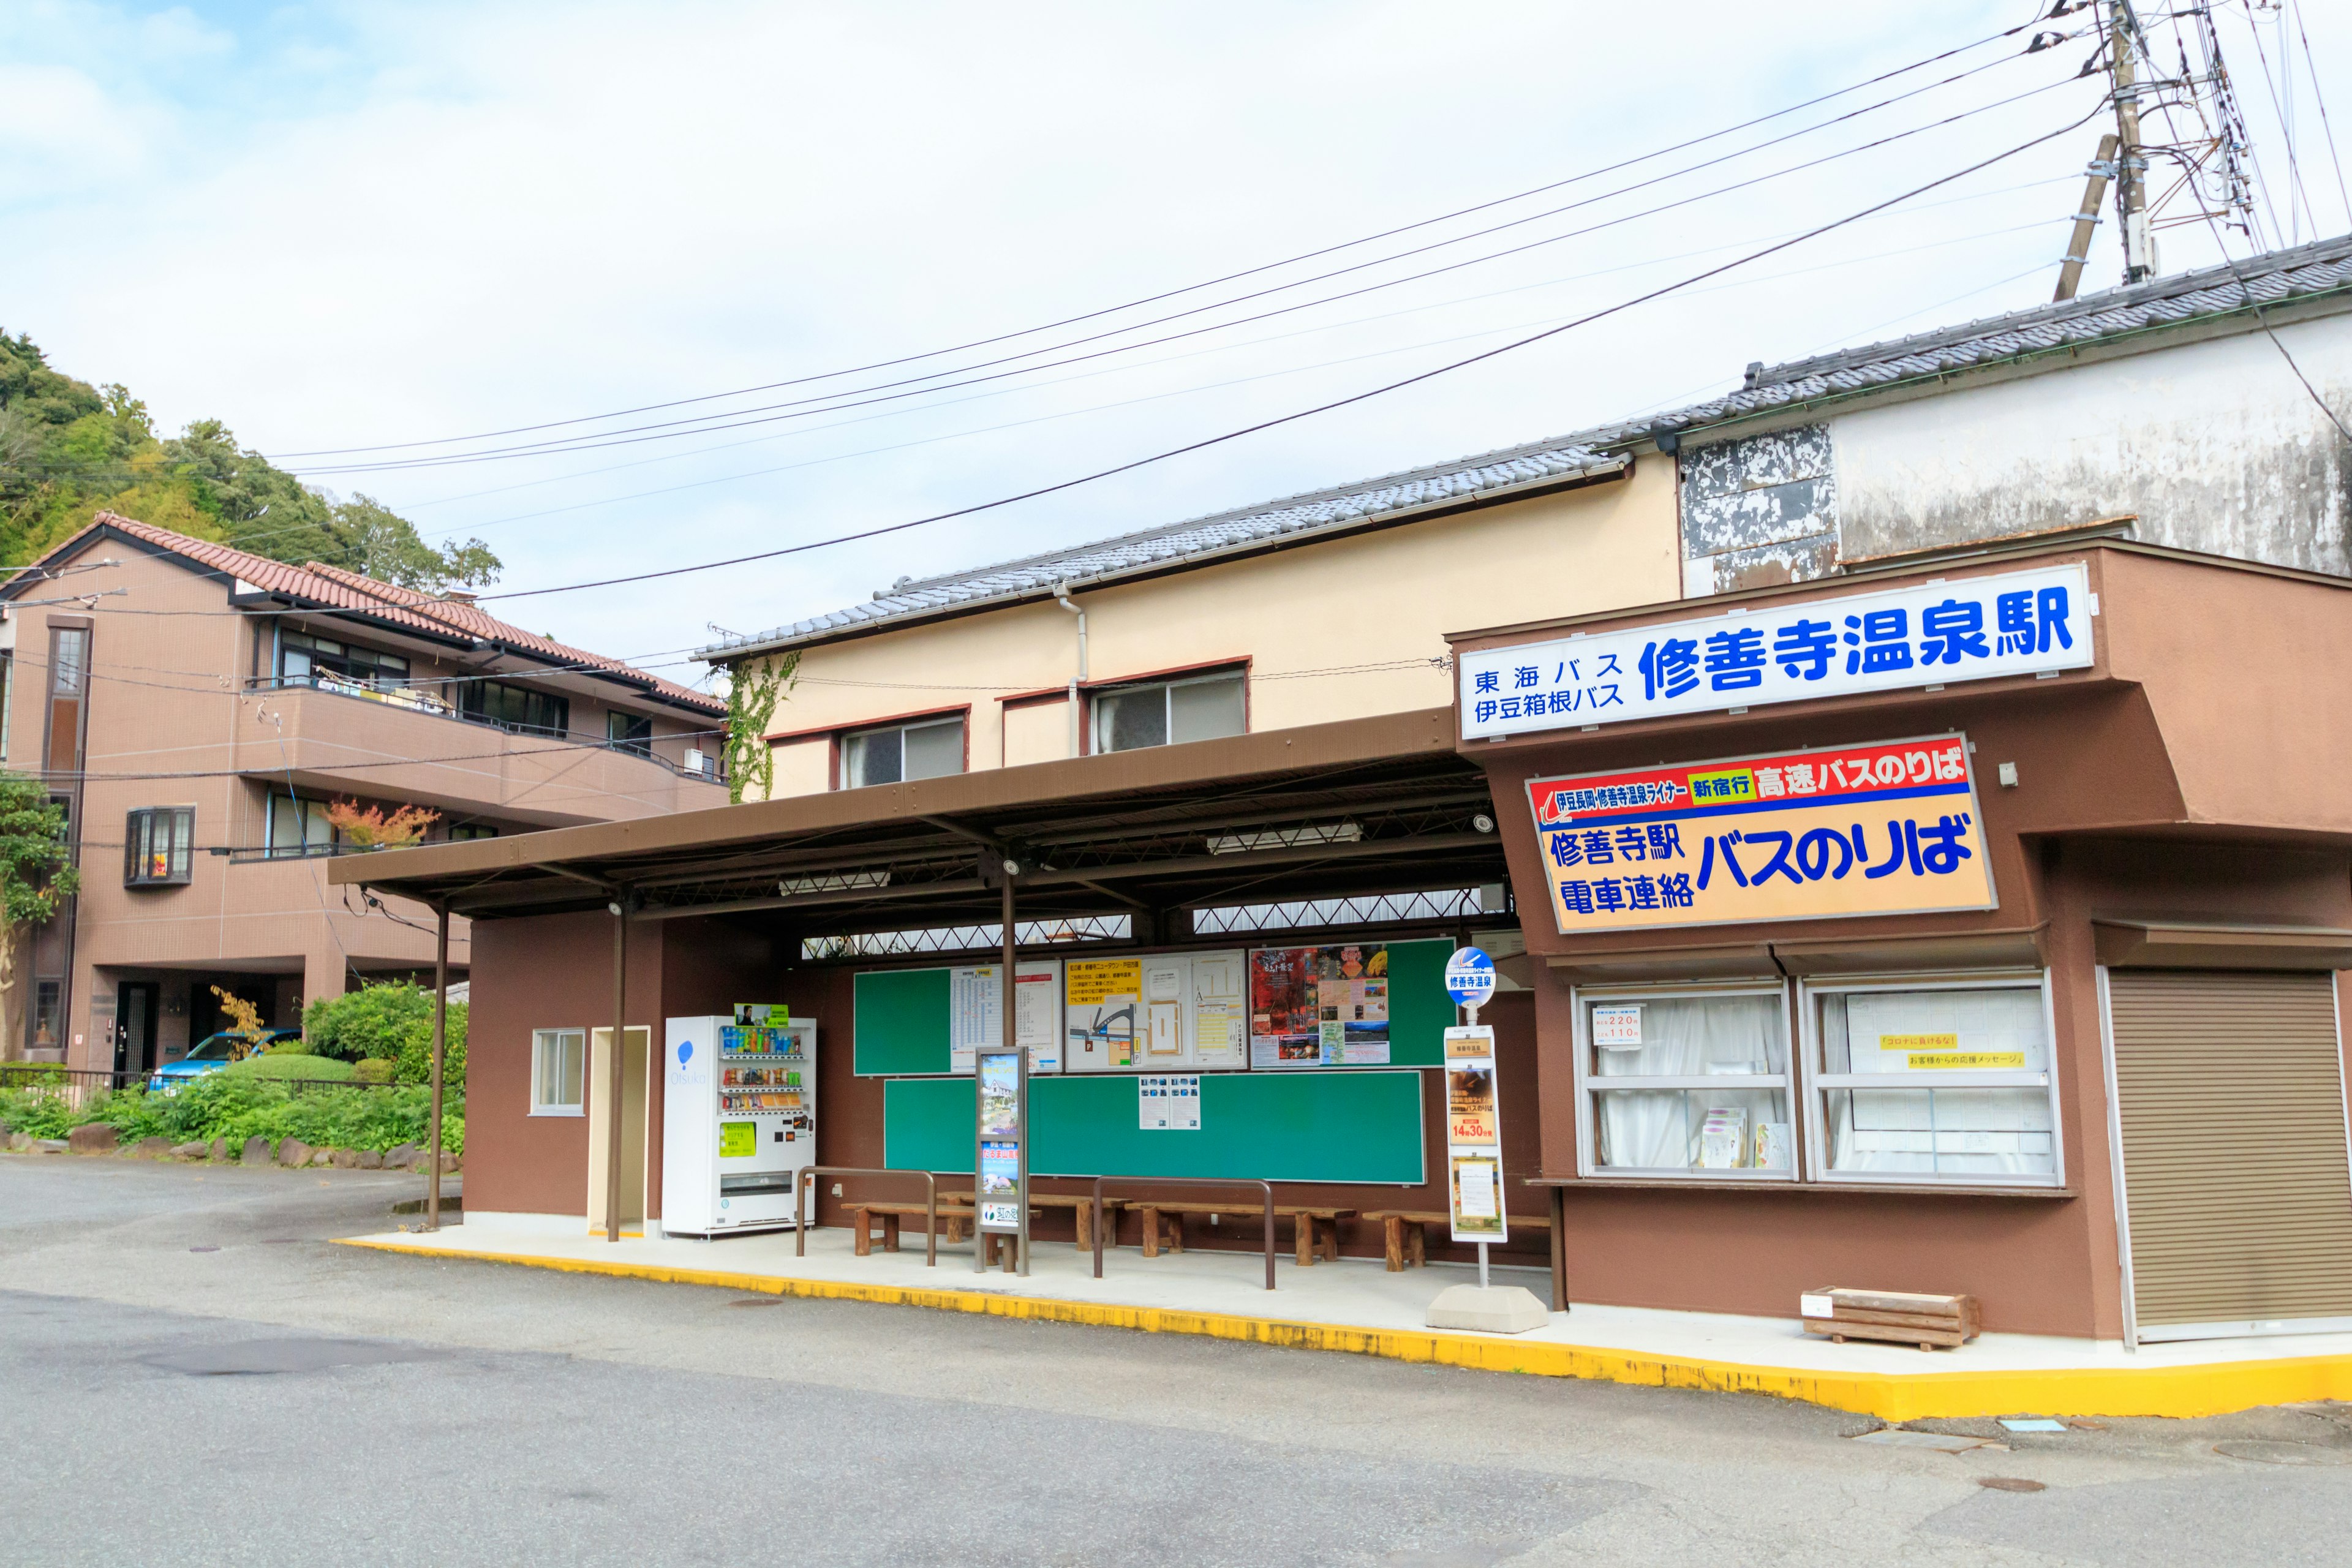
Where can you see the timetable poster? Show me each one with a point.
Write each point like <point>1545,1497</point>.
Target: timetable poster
<point>1319,1006</point>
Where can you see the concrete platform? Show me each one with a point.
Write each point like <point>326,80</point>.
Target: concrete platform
<point>1359,1307</point>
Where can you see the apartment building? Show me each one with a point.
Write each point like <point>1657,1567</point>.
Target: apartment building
<point>198,712</point>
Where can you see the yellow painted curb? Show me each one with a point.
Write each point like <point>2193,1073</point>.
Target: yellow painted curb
<point>2177,1391</point>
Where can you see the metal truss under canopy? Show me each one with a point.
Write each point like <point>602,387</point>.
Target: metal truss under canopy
<point>1348,810</point>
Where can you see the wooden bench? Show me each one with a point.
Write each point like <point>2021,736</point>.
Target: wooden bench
<point>1897,1315</point>
<point>1408,1249</point>
<point>1081,1205</point>
<point>862,1217</point>
<point>1317,1228</point>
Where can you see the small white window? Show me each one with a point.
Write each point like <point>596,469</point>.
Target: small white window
<point>1689,1084</point>
<point>1933,1083</point>
<point>558,1065</point>
<point>1168,712</point>
<point>928,748</point>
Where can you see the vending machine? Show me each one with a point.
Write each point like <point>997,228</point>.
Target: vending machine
<point>738,1121</point>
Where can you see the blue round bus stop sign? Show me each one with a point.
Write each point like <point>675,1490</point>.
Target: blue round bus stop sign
<point>1469,976</point>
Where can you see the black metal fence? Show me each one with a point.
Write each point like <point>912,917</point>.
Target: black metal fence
<point>77,1086</point>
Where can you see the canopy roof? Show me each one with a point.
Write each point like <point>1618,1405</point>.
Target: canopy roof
<point>1366,805</point>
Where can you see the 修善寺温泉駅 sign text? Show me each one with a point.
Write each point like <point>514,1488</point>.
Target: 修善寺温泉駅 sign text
<point>1971,628</point>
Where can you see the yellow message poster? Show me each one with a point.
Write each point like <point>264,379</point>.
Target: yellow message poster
<point>1880,829</point>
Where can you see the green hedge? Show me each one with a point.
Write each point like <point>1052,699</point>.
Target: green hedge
<point>392,1022</point>
<point>309,1068</point>
<point>240,1106</point>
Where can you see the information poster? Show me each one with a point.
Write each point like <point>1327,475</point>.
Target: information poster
<point>1319,1006</point>
<point>1168,1102</point>
<point>1000,1094</point>
<point>1220,1010</point>
<point>1037,1012</point>
<point>1102,999</point>
<point>975,1013</point>
<point>976,1019</point>
<point>1474,1136</point>
<point>1000,1185</point>
<point>1617,1028</point>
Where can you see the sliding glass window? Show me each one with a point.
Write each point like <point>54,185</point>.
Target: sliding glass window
<point>1685,1084</point>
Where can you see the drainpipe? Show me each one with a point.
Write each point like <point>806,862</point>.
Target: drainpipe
<point>1062,597</point>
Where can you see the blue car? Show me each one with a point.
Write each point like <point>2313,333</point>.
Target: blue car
<point>211,1054</point>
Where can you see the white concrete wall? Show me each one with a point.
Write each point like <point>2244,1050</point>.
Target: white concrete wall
<point>2215,445</point>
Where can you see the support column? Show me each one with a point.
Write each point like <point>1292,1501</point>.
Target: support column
<point>440,1050</point>
<point>323,975</point>
<point>618,1076</point>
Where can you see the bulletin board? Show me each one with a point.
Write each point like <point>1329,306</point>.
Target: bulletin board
<point>1343,1125</point>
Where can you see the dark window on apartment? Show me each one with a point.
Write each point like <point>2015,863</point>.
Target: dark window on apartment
<point>158,845</point>
<point>630,732</point>
<point>298,827</point>
<point>465,832</point>
<point>48,1010</point>
<point>317,661</point>
<point>517,707</point>
<point>64,803</point>
<point>927,748</point>
<point>1168,712</point>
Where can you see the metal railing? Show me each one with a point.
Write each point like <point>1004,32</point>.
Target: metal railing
<point>1188,1181</point>
<point>77,1086</point>
<point>930,1205</point>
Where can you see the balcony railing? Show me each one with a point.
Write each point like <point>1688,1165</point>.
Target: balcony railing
<point>415,700</point>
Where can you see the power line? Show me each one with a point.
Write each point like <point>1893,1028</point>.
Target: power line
<point>834,404</point>
<point>1195,287</point>
<point>1306,413</point>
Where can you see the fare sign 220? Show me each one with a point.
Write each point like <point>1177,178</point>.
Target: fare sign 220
<point>1970,628</point>
<point>1881,829</point>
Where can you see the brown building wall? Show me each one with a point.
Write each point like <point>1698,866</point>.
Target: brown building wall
<point>555,971</point>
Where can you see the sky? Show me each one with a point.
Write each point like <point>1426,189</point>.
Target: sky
<point>372,226</point>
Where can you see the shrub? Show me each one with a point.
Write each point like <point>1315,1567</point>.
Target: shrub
<point>374,1069</point>
<point>241,1105</point>
<point>393,1023</point>
<point>277,1064</point>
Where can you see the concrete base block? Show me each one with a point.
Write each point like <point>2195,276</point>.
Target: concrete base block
<point>1497,1309</point>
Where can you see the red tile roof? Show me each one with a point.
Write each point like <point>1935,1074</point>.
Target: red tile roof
<point>340,589</point>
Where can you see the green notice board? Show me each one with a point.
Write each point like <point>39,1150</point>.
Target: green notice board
<point>900,1023</point>
<point>1420,1012</point>
<point>1343,1124</point>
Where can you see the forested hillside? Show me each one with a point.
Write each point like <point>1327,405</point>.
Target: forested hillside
<point>68,451</point>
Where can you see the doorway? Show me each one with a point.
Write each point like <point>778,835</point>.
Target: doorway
<point>135,1006</point>
<point>636,1170</point>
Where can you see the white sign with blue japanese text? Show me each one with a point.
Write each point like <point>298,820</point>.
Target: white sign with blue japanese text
<point>1969,629</point>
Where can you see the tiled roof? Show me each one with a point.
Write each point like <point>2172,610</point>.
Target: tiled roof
<point>2275,277</point>
<point>339,589</point>
<point>1344,506</point>
<point>2272,278</point>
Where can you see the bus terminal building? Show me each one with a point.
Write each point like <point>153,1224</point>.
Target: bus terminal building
<point>1969,924</point>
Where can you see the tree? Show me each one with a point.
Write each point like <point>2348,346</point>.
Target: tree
<point>35,882</point>
<point>69,450</point>
<point>372,829</point>
<point>244,1022</point>
<point>753,692</point>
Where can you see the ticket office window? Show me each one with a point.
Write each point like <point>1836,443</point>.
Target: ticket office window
<point>1940,1080</point>
<point>1689,1084</point>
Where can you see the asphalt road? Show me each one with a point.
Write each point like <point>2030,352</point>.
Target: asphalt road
<point>190,1374</point>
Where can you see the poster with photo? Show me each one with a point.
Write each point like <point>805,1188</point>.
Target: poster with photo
<point>1000,1094</point>
<point>1319,1006</point>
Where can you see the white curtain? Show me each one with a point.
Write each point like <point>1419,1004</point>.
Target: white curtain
<point>1688,1037</point>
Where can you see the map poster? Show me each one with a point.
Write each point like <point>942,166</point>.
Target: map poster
<point>1102,999</point>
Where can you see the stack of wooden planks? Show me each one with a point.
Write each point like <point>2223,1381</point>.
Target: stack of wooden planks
<point>1901,1316</point>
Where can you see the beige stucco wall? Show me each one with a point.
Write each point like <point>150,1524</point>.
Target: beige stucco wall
<point>1301,618</point>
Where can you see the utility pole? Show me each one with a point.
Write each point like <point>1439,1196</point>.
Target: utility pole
<point>2087,220</point>
<point>2131,160</point>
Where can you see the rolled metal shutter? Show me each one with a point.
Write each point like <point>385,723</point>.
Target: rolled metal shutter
<point>2230,1095</point>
